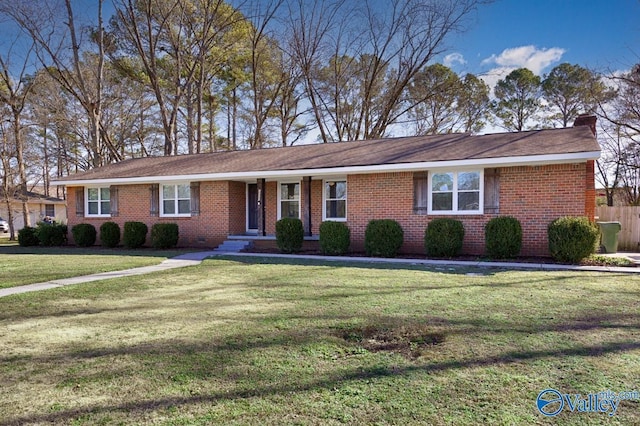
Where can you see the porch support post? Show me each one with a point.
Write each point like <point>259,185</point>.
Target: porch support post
<point>305,192</point>
<point>262,229</point>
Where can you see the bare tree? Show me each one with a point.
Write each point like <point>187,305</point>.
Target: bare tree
<point>60,51</point>
<point>391,46</point>
<point>179,44</point>
<point>13,93</point>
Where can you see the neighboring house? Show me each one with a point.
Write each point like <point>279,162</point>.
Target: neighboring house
<point>535,176</point>
<point>40,207</point>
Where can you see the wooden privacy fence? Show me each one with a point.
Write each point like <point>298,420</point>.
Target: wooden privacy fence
<point>629,218</point>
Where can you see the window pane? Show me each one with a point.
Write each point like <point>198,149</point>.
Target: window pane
<point>442,182</point>
<point>184,206</point>
<point>335,190</point>
<point>92,194</point>
<point>93,207</point>
<point>184,191</point>
<point>49,210</point>
<point>105,194</point>
<point>290,191</point>
<point>168,192</point>
<point>443,201</point>
<point>336,209</point>
<point>469,201</point>
<point>469,181</point>
<point>105,207</point>
<point>290,209</point>
<point>169,207</point>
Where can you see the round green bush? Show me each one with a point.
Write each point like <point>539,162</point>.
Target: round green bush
<point>51,234</point>
<point>27,237</point>
<point>289,235</point>
<point>443,237</point>
<point>84,234</point>
<point>503,237</point>
<point>572,239</point>
<point>164,235</point>
<point>135,234</point>
<point>109,234</point>
<point>335,238</point>
<point>383,238</point>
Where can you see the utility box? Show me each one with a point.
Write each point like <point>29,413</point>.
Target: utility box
<point>609,236</point>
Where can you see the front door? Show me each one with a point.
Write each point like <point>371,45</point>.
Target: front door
<point>252,207</point>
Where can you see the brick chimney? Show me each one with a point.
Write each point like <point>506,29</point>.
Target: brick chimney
<point>586,120</point>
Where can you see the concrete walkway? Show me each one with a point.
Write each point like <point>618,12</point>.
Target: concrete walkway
<point>191,259</point>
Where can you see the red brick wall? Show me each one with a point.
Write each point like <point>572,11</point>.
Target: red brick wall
<point>221,211</point>
<point>534,195</point>
<point>237,208</point>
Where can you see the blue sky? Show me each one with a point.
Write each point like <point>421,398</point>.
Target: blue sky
<point>603,35</point>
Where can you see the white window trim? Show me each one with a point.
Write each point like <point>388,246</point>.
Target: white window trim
<point>455,172</point>
<point>280,183</point>
<point>324,200</point>
<point>99,201</point>
<point>175,187</point>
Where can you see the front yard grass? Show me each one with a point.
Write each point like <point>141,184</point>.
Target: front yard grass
<point>265,342</point>
<point>28,265</point>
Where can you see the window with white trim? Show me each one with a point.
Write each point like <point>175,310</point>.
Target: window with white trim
<point>289,195</point>
<point>455,192</point>
<point>98,201</point>
<point>175,200</point>
<point>335,200</point>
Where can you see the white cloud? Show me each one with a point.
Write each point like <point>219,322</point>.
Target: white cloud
<point>511,59</point>
<point>453,58</point>
<point>526,57</point>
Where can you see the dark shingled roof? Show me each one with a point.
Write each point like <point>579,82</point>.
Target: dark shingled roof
<point>387,151</point>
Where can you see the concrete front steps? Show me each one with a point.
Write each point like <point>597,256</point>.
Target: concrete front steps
<point>233,246</point>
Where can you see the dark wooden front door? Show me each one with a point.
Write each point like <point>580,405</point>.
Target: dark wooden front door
<point>252,206</point>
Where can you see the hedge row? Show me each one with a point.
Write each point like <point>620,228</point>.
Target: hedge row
<point>45,234</point>
<point>571,239</point>
<point>163,235</point>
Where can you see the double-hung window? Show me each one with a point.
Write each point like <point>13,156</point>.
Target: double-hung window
<point>455,192</point>
<point>175,200</point>
<point>335,200</point>
<point>98,201</point>
<point>289,195</point>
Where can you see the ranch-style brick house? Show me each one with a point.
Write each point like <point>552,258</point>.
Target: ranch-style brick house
<point>535,176</point>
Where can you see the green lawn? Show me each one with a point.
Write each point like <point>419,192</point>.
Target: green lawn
<point>28,265</point>
<point>260,342</point>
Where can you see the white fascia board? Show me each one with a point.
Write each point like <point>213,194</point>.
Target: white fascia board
<point>531,160</point>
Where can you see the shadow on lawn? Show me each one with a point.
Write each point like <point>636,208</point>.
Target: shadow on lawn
<point>94,250</point>
<point>327,382</point>
<point>356,263</point>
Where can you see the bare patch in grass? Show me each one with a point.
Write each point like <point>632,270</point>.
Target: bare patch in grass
<point>407,339</point>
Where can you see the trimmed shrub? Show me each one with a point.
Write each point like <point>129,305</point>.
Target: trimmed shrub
<point>503,237</point>
<point>51,234</point>
<point>27,237</point>
<point>335,237</point>
<point>383,238</point>
<point>164,235</point>
<point>109,234</point>
<point>84,234</point>
<point>289,235</point>
<point>135,234</point>
<point>443,237</point>
<point>572,239</point>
